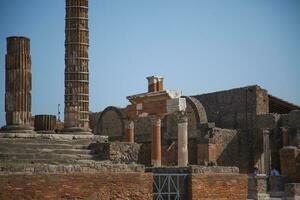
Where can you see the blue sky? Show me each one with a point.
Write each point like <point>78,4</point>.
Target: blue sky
<point>198,46</point>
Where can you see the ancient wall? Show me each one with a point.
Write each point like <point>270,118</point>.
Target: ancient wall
<point>93,186</point>
<point>117,152</point>
<point>94,118</point>
<point>196,116</point>
<point>236,108</point>
<point>226,143</point>
<point>290,163</point>
<point>217,183</point>
<point>111,123</point>
<point>276,123</point>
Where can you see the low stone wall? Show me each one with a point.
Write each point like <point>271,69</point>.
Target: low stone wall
<point>117,152</point>
<point>92,186</point>
<point>292,191</point>
<point>257,187</point>
<point>290,163</point>
<point>217,183</point>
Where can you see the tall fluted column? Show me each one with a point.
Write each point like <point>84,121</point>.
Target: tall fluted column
<point>18,85</point>
<point>156,141</point>
<point>182,121</point>
<point>76,68</point>
<point>129,131</point>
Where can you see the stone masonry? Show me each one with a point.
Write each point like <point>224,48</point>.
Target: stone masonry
<point>76,67</point>
<point>18,85</point>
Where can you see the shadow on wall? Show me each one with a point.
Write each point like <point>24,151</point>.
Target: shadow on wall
<point>235,148</point>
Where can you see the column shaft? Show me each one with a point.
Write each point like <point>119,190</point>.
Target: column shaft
<point>156,141</point>
<point>182,141</point>
<point>267,155</point>
<point>129,131</point>
<point>285,136</point>
<point>18,85</point>
<point>76,67</point>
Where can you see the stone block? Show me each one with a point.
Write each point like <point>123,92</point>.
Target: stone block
<point>292,191</point>
<point>269,120</point>
<point>257,187</point>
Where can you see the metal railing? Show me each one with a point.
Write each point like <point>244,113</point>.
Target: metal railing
<point>170,186</point>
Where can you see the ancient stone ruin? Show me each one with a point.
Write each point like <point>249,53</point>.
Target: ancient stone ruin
<point>18,85</point>
<point>76,68</point>
<point>242,143</point>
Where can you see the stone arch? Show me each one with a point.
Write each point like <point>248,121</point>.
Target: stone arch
<point>198,108</point>
<point>196,115</point>
<point>111,122</point>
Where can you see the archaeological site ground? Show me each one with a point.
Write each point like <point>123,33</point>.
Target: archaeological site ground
<point>242,143</point>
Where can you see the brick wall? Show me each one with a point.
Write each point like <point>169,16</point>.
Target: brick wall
<point>96,186</point>
<point>218,186</point>
<point>236,108</point>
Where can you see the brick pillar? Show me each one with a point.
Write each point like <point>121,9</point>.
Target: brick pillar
<point>182,121</point>
<point>129,131</point>
<point>285,136</point>
<point>156,141</point>
<point>155,83</point>
<point>18,85</point>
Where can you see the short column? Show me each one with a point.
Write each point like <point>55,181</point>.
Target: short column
<point>285,136</point>
<point>267,154</point>
<point>156,141</point>
<point>129,131</point>
<point>182,121</point>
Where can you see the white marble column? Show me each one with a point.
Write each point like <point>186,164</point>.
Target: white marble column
<point>182,121</point>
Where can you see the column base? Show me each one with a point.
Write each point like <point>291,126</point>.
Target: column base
<point>17,129</point>
<point>77,131</point>
<point>156,163</point>
<point>46,132</point>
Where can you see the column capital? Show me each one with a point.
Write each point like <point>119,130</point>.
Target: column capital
<point>129,123</point>
<point>155,120</point>
<point>266,131</point>
<point>181,117</point>
<point>284,128</point>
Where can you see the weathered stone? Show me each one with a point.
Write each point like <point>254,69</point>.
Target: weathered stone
<point>257,187</point>
<point>292,191</point>
<point>76,68</point>
<point>18,85</point>
<point>45,123</point>
<point>88,186</point>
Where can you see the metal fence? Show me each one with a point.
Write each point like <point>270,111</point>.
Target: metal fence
<point>170,186</point>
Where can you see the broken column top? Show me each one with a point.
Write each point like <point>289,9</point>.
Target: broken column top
<point>156,101</point>
<point>16,44</point>
<point>155,83</point>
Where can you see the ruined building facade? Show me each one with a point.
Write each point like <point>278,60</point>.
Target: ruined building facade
<point>224,128</point>
<point>161,146</point>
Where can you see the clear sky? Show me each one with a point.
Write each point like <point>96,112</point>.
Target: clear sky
<point>198,46</point>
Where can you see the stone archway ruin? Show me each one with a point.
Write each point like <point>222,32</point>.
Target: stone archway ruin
<point>196,116</point>
<point>111,123</point>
